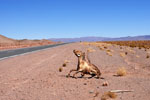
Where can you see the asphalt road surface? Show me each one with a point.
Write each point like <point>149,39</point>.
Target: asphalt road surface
<point>10,53</point>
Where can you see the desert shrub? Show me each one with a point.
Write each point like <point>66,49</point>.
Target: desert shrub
<point>105,47</point>
<point>121,71</point>
<point>105,83</point>
<point>64,64</point>
<point>100,47</point>
<point>108,95</point>
<point>90,50</point>
<point>60,69</point>
<point>147,56</point>
<point>141,44</point>
<point>108,50</point>
<point>109,53</point>
<point>66,61</point>
<point>122,54</point>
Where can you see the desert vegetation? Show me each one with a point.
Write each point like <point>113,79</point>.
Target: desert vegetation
<point>105,83</point>
<point>147,56</point>
<point>60,69</point>
<point>122,54</point>
<point>64,65</point>
<point>139,44</point>
<point>121,71</point>
<point>108,95</point>
<point>90,50</point>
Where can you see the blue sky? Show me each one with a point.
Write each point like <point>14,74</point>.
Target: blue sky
<point>37,19</point>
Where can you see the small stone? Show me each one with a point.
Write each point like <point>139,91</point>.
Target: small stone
<point>91,91</point>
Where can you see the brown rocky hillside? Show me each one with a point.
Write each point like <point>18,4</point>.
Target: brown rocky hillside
<point>4,39</point>
<point>8,43</point>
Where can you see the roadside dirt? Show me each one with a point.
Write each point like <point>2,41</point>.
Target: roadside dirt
<point>36,76</point>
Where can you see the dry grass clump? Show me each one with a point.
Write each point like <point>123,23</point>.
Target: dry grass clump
<point>60,69</point>
<point>108,95</point>
<point>147,56</point>
<point>109,53</point>
<point>122,54</point>
<point>132,51</point>
<point>66,61</point>
<point>95,43</point>
<point>64,64</point>
<point>132,44</point>
<point>90,43</point>
<point>101,48</point>
<point>105,47</point>
<point>108,50</point>
<point>90,50</point>
<point>121,71</point>
<point>84,43</point>
<point>105,83</point>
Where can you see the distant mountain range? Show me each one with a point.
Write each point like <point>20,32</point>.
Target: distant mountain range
<point>144,37</point>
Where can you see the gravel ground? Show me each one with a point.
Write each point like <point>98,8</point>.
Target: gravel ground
<point>36,76</point>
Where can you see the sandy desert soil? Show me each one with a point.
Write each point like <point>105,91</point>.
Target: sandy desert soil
<point>36,76</point>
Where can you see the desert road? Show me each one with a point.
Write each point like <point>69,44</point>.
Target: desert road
<point>9,53</point>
